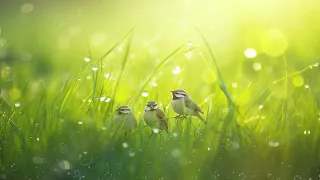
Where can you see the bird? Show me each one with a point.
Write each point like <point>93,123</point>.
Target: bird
<point>124,118</point>
<point>155,117</point>
<point>182,104</point>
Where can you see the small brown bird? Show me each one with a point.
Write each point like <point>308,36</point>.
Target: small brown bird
<point>125,119</point>
<point>155,117</point>
<point>182,104</point>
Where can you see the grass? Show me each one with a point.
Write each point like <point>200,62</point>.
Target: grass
<point>64,129</point>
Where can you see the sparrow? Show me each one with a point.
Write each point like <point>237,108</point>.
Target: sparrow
<point>125,119</point>
<point>155,117</point>
<point>182,104</point>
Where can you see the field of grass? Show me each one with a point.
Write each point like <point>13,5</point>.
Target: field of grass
<point>61,85</point>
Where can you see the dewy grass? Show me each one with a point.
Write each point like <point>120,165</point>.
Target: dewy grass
<point>69,134</point>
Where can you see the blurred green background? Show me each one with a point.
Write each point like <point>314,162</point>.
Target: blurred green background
<point>53,81</point>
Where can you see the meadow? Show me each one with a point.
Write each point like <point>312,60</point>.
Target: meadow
<point>253,68</point>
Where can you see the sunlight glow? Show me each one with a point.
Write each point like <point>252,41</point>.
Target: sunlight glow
<point>176,70</point>
<point>274,43</point>
<point>256,66</point>
<point>298,81</point>
<point>250,53</point>
<point>26,8</point>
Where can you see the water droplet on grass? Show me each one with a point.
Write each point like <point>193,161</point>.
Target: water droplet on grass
<point>176,70</point>
<point>89,77</point>
<point>85,159</point>
<point>7,73</point>
<point>307,86</point>
<point>64,165</point>
<point>14,167</point>
<point>80,122</point>
<point>155,130</point>
<point>175,134</point>
<point>307,132</point>
<point>260,106</point>
<point>17,105</point>
<point>108,100</point>
<point>250,53</point>
<point>102,98</point>
<point>95,68</point>
<point>106,75</point>
<point>145,93</point>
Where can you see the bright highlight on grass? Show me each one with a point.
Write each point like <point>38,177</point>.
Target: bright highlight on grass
<point>250,53</point>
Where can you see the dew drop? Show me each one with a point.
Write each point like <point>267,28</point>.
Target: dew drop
<point>86,59</point>
<point>145,93</point>
<point>85,159</point>
<point>234,85</point>
<point>175,134</point>
<point>274,143</point>
<point>64,165</point>
<point>307,86</point>
<point>80,122</point>
<point>131,154</point>
<point>14,167</point>
<point>176,70</point>
<point>108,100</point>
<point>106,75</point>
<point>95,68</point>
<point>256,66</point>
<point>102,98</point>
<point>38,160</point>
<point>17,105</point>
<point>250,53</point>
<point>260,106</point>
<point>155,130</point>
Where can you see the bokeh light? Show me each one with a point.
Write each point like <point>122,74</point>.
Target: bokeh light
<point>274,42</point>
<point>250,53</point>
<point>298,81</point>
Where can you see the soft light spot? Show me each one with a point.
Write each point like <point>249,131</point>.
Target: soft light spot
<point>190,43</point>
<point>250,53</point>
<point>125,145</point>
<point>175,134</point>
<point>274,143</point>
<point>260,106</point>
<point>315,65</point>
<point>80,122</point>
<point>102,98</point>
<point>17,105</point>
<point>38,160</point>
<point>85,159</point>
<point>188,55</point>
<point>26,8</point>
<point>208,76</point>
<point>26,56</point>
<point>95,68</point>
<point>75,31</point>
<point>307,86</point>
<point>15,93</point>
<point>274,43</point>
<point>108,100</point>
<point>209,148</point>
<point>86,59</point>
<point>7,73</point>
<point>176,70</point>
<point>63,42</point>
<point>103,128</point>
<point>176,153</point>
<point>155,130</point>
<point>89,77</point>
<point>307,132</point>
<point>131,154</point>
<point>235,145</point>
<point>38,139</point>
<point>64,165</point>
<point>234,85</point>
<point>98,39</point>
<point>145,94</point>
<point>256,66</point>
<point>298,81</point>
<point>106,75</point>
<point>154,84</point>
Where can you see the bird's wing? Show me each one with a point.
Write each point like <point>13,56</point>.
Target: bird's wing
<point>160,114</point>
<point>192,105</point>
<point>164,124</point>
